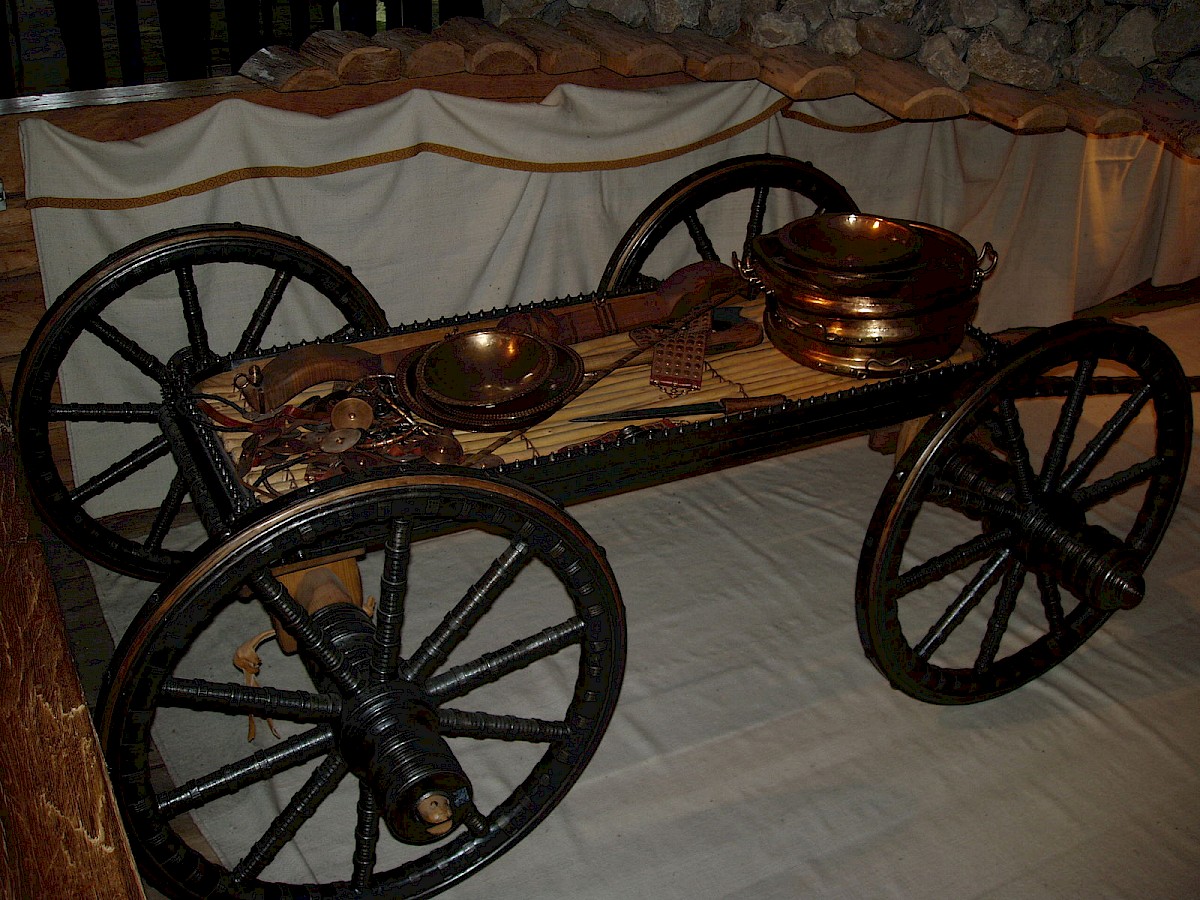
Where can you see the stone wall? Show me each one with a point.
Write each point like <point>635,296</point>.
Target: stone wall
<point>1109,47</point>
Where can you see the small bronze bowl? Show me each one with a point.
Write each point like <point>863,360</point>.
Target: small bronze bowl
<point>480,369</point>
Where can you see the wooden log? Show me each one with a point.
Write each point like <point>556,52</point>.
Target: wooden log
<point>1019,110</point>
<point>354,57</point>
<point>801,72</point>
<point>708,59</point>
<point>284,69</point>
<point>1089,113</point>
<point>424,55</point>
<point>488,50</point>
<point>557,51</point>
<point>622,49</point>
<point>904,90</point>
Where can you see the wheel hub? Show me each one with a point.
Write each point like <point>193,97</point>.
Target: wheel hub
<point>388,736</point>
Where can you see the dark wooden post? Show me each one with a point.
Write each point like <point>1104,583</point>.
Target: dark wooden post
<point>79,24</point>
<point>358,15</point>
<point>185,32</point>
<point>129,42</point>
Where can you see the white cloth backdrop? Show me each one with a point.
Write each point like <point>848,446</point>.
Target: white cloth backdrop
<point>756,753</point>
<point>444,205</point>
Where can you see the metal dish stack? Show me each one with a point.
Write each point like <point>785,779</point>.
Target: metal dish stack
<point>867,296</point>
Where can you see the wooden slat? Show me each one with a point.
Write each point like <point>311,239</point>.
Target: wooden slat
<point>706,58</point>
<point>1090,113</point>
<point>284,69</point>
<point>557,51</point>
<point>904,90</point>
<point>1016,109</point>
<point>354,57</point>
<point>487,50</point>
<point>803,73</point>
<point>624,50</point>
<point>424,55</point>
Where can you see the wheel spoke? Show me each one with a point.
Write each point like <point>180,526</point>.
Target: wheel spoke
<point>230,779</point>
<point>366,838</point>
<point>241,699</point>
<point>129,350</point>
<point>323,781</point>
<point>156,448</point>
<point>1018,452</point>
<point>252,337</point>
<point>953,560</point>
<point>1105,438</point>
<point>1052,604</point>
<point>103,412</point>
<point>493,666</point>
<point>457,624</point>
<point>166,513</point>
<point>1068,421</point>
<point>192,314</point>
<point>997,624</point>
<point>1105,489</point>
<point>280,602</point>
<point>966,601</point>
<point>699,236</point>
<point>754,225</point>
<point>389,614</point>
<point>489,726</point>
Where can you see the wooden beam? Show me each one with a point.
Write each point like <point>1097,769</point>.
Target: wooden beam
<point>1016,109</point>
<point>904,89</point>
<point>706,58</point>
<point>801,72</point>
<point>622,49</point>
<point>557,51</point>
<point>1089,113</point>
<point>488,50</point>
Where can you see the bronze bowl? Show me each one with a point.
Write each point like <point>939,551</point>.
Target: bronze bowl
<point>850,242</point>
<point>480,369</point>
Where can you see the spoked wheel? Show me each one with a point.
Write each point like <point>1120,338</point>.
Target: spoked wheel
<point>680,205</point>
<point>402,767</point>
<point>1019,522</point>
<point>135,316</point>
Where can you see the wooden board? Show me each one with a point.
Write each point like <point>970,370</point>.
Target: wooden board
<point>624,50</point>
<point>904,89</point>
<point>706,58</point>
<point>557,51</point>
<point>1025,112</point>
<point>487,50</point>
<point>61,834</point>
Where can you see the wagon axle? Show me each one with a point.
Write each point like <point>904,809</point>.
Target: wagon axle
<point>1049,530</point>
<point>388,736</point>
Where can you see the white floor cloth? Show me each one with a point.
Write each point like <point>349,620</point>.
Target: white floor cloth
<point>756,753</point>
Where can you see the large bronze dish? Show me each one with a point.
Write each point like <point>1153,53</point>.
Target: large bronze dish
<point>849,242</point>
<point>566,374</point>
<point>482,369</point>
<point>861,361</point>
<point>947,268</point>
<point>948,319</point>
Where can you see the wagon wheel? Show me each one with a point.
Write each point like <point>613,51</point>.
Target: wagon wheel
<point>1036,506</point>
<point>681,204</point>
<point>490,713</point>
<point>135,311</point>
